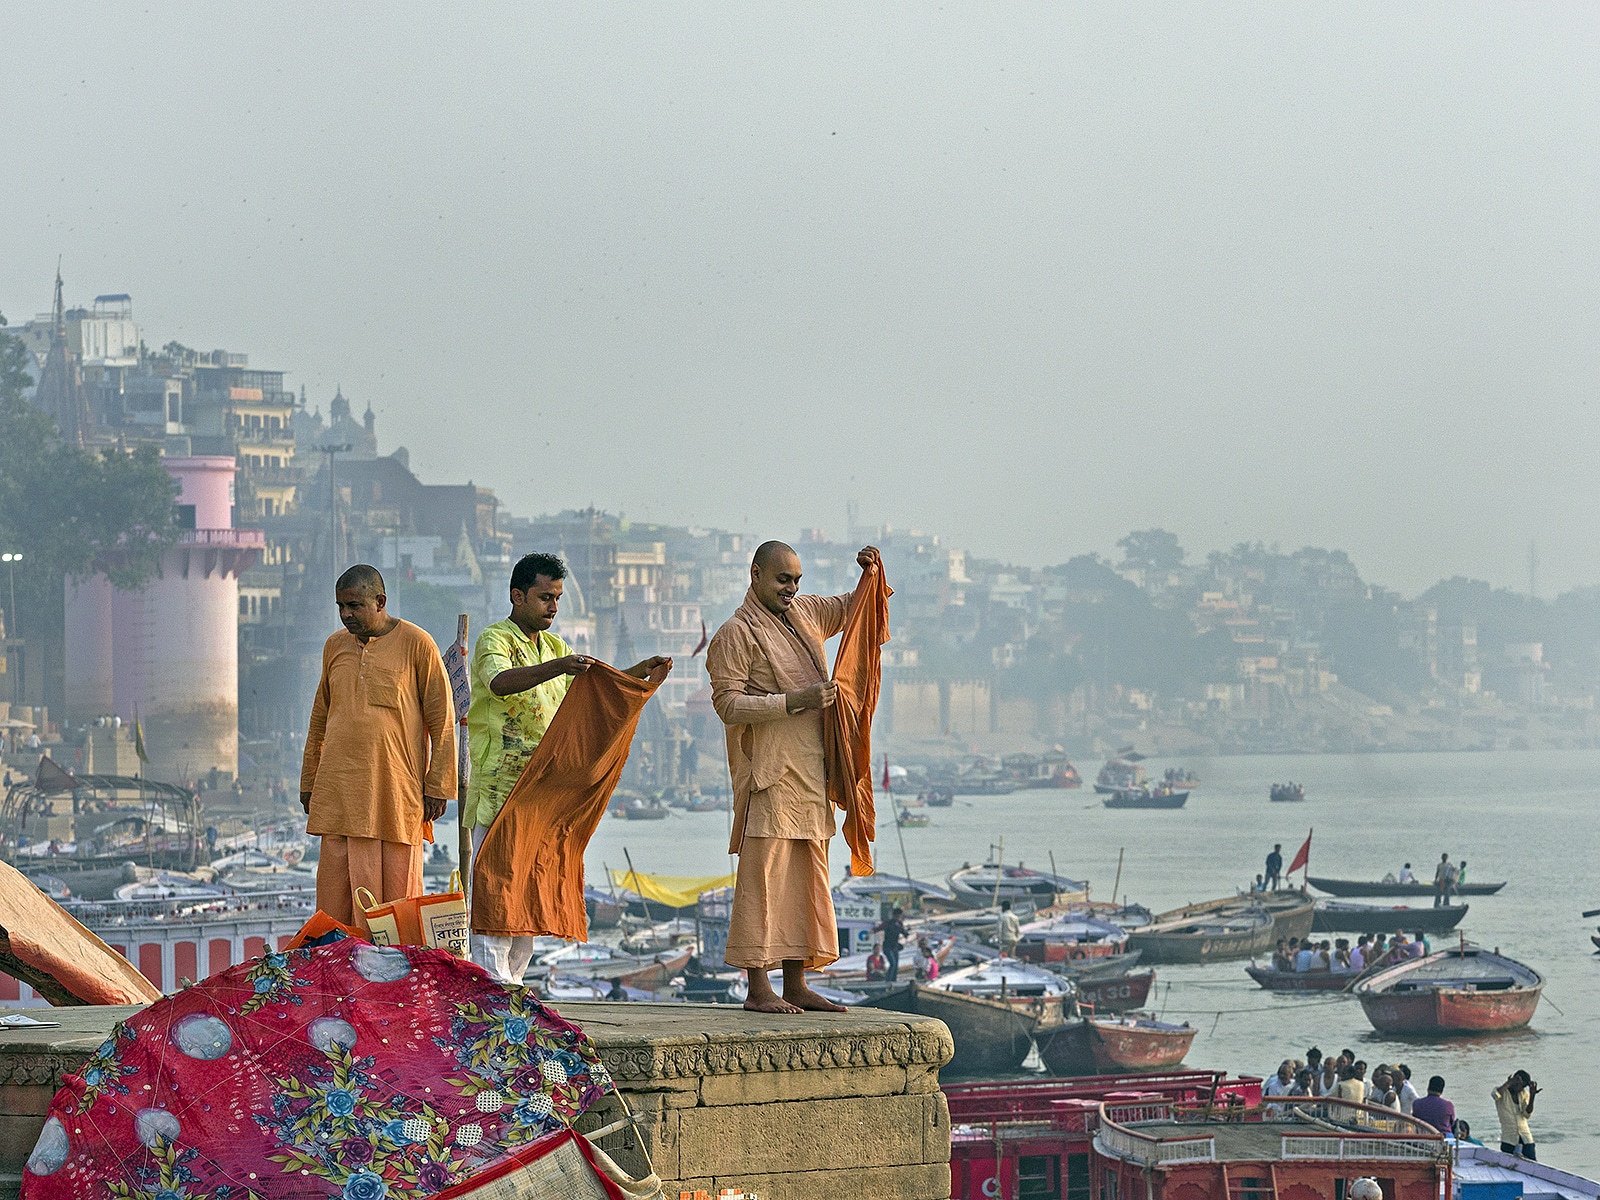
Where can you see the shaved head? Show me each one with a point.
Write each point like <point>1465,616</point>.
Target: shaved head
<point>775,576</point>
<point>361,578</point>
<point>769,552</point>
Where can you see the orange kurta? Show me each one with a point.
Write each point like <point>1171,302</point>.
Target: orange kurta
<point>382,735</point>
<point>847,725</point>
<point>527,879</point>
<point>782,822</point>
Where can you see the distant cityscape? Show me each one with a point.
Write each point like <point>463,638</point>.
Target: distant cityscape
<point>1252,649</point>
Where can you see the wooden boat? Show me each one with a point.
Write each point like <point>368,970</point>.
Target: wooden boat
<point>1233,927</point>
<point>939,798</point>
<point>979,887</point>
<point>1300,981</point>
<point>1092,1045</point>
<point>990,1037</point>
<point>1465,990</point>
<point>1070,937</point>
<point>1287,793</point>
<point>907,819</point>
<point>1356,887</point>
<point>1340,916</point>
<point>883,887</point>
<point>1115,995</point>
<point>1042,994</point>
<point>646,810</point>
<point>1091,970</point>
<point>1144,797</point>
<point>1120,772</point>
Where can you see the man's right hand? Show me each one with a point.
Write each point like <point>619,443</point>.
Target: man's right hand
<point>818,695</point>
<point>576,664</point>
<point>305,802</point>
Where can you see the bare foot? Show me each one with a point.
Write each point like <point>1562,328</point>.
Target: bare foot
<point>770,1003</point>
<point>804,999</point>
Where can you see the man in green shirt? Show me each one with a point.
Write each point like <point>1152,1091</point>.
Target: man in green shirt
<point>520,673</point>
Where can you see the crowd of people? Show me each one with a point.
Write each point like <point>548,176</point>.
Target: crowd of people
<point>1371,950</point>
<point>1344,1077</point>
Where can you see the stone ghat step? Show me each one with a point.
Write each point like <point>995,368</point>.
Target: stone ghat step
<point>819,1105</point>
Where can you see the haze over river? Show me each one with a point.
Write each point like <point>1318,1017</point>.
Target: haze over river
<point>1527,818</point>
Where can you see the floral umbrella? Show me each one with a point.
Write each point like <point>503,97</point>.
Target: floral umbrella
<point>344,1070</point>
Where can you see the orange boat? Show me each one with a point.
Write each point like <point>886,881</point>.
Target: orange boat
<point>1465,990</point>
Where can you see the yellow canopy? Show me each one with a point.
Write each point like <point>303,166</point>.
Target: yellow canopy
<point>674,891</point>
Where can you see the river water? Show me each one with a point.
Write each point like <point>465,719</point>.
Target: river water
<point>1527,818</point>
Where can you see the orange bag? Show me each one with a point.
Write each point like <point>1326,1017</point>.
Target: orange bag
<point>438,920</point>
<point>319,926</point>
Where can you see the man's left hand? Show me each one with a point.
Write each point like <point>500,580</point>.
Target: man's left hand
<point>433,808</point>
<point>867,556</point>
<point>641,670</point>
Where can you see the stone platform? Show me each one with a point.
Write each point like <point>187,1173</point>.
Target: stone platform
<point>817,1106</point>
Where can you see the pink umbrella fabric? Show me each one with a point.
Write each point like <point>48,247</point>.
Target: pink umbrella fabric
<point>345,1070</point>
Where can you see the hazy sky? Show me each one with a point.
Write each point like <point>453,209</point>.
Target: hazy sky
<point>1027,276</point>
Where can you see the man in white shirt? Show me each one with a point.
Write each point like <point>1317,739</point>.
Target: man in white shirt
<point>1408,1090</point>
<point>1303,960</point>
<point>1278,1085</point>
<point>1405,874</point>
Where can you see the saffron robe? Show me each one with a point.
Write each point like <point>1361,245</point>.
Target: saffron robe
<point>847,725</point>
<point>527,879</point>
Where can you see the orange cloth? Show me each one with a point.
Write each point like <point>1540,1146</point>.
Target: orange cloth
<point>775,758</point>
<point>847,725</point>
<point>527,878</point>
<point>383,735</point>
<point>41,944</point>
<point>389,870</point>
<point>783,909</point>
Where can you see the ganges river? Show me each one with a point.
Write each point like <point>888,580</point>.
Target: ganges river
<point>1527,818</point>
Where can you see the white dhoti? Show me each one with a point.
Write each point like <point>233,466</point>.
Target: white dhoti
<point>505,958</point>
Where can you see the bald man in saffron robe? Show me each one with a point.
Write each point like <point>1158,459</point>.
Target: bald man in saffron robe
<point>769,684</point>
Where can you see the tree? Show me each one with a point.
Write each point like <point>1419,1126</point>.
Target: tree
<point>1151,550</point>
<point>70,512</point>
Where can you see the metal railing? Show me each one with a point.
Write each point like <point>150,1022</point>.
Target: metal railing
<point>1119,1141</point>
<point>251,538</point>
<point>1331,1146</point>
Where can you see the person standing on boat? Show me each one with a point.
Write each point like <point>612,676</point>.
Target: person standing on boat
<point>894,932</point>
<point>380,756</point>
<point>1009,931</point>
<point>1444,879</point>
<point>520,673</point>
<point>1275,867</point>
<point>1513,1104</point>
<point>769,684</point>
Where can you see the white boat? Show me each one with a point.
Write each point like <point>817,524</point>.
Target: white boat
<point>168,885</point>
<point>1479,1171</point>
<point>1004,976</point>
<point>979,887</point>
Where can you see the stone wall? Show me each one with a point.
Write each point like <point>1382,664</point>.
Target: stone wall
<point>817,1106</point>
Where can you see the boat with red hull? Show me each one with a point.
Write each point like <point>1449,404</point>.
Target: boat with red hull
<point>1465,990</point>
<point>1116,995</point>
<point>1134,1042</point>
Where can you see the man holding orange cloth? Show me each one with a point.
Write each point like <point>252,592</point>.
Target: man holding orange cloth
<point>380,757</point>
<point>770,685</point>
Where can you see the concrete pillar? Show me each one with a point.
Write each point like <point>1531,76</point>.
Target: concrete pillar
<point>88,650</point>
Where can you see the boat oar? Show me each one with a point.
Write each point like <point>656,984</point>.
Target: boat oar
<point>1593,912</point>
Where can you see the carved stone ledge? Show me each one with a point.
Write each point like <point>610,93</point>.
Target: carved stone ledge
<point>640,1042</point>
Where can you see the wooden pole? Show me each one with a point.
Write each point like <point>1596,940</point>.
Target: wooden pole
<point>634,875</point>
<point>463,773</point>
<point>999,868</point>
<point>1118,883</point>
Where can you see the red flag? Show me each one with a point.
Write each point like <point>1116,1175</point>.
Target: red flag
<point>1302,856</point>
<point>886,773</point>
<point>703,639</point>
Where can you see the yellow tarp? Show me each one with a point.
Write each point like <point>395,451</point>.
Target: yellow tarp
<point>674,891</point>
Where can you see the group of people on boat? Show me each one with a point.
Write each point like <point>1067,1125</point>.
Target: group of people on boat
<point>1344,1077</point>
<point>1371,950</point>
<point>1447,879</point>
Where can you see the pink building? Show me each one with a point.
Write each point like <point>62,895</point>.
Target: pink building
<point>171,648</point>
